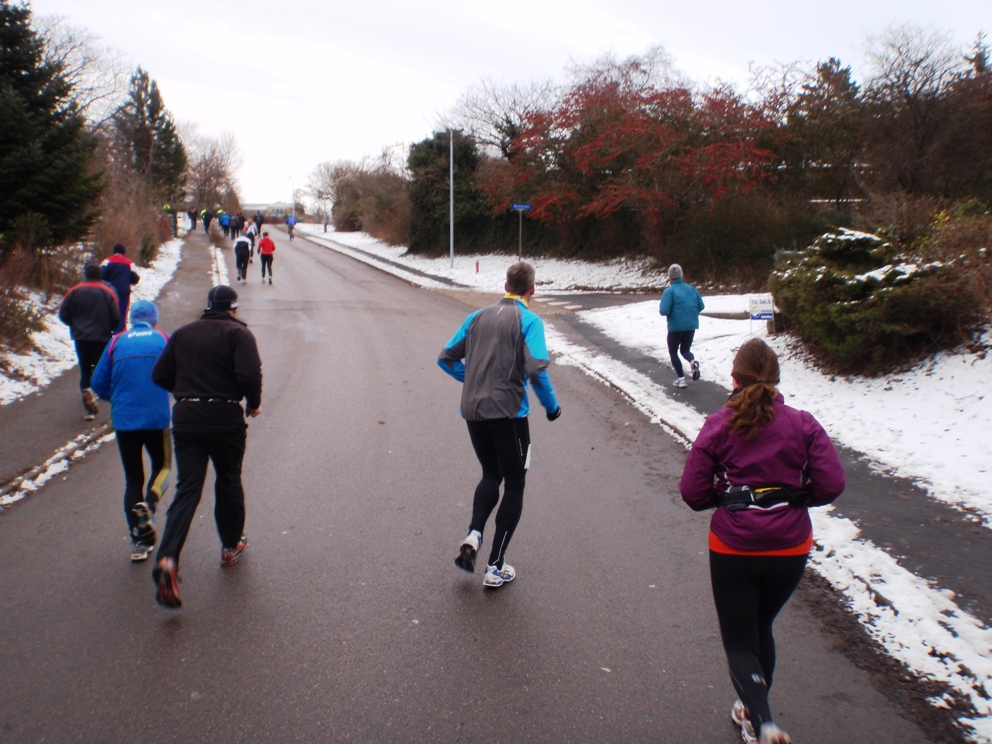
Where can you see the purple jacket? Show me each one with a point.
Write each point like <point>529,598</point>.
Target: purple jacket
<point>792,451</point>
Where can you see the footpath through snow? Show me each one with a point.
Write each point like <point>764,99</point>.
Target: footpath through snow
<point>927,425</point>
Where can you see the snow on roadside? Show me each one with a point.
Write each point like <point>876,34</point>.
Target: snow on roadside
<point>928,425</point>
<point>54,352</point>
<point>553,274</point>
<point>218,267</point>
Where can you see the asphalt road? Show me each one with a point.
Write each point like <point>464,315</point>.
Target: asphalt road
<point>346,619</point>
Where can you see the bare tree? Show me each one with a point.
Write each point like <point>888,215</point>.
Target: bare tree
<point>654,69</point>
<point>212,165</point>
<point>98,73</point>
<point>495,113</point>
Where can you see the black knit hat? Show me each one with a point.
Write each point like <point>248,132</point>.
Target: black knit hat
<point>222,297</point>
<point>119,248</point>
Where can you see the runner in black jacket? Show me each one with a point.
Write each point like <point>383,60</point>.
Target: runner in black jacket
<point>209,366</point>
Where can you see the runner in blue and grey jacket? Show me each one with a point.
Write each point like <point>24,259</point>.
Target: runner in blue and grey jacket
<point>504,350</point>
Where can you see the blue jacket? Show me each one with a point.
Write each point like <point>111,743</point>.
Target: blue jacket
<point>118,271</point>
<point>124,377</point>
<point>681,303</point>
<point>504,348</point>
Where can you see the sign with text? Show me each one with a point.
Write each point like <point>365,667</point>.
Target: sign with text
<point>762,307</point>
<point>521,207</point>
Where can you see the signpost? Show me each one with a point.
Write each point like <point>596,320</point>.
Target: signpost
<point>520,209</point>
<point>762,307</point>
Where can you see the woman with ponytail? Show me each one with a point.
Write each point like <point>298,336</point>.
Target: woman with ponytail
<point>760,463</point>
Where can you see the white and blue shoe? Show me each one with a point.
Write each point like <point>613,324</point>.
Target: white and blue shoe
<point>468,550</point>
<point>496,577</point>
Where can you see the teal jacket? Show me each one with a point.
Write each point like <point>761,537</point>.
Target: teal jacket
<point>681,303</point>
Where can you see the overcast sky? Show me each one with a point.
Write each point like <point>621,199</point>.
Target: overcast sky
<point>303,81</point>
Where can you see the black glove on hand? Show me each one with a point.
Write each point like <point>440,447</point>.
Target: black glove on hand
<point>554,414</point>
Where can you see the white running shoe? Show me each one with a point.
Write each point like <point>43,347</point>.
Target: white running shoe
<point>772,734</point>
<point>496,577</point>
<point>739,715</point>
<point>680,382</point>
<point>468,550</point>
<point>140,551</point>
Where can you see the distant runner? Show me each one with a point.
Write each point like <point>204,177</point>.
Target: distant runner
<point>681,303</point>
<point>760,463</point>
<point>503,349</point>
<point>118,271</point>
<point>266,247</point>
<point>242,254</point>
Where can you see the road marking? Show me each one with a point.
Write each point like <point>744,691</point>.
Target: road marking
<point>573,307</point>
<point>557,302</point>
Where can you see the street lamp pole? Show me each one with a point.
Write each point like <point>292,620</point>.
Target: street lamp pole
<point>451,189</point>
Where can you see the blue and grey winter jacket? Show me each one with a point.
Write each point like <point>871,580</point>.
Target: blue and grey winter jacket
<point>124,377</point>
<point>682,303</point>
<point>503,349</point>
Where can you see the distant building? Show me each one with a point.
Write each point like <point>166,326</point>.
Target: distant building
<point>271,209</point>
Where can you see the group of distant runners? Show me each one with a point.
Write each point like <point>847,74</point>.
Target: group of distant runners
<point>757,462</point>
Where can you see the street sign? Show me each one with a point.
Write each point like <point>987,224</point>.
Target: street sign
<point>762,307</point>
<point>521,207</point>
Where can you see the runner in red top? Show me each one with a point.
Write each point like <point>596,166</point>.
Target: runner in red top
<point>265,250</point>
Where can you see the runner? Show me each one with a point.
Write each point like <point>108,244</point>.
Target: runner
<point>681,303</point>
<point>290,224</point>
<point>141,419</point>
<point>91,310</point>
<point>503,348</point>
<point>118,271</point>
<point>210,366</point>
<point>266,247</point>
<point>242,254</point>
<point>760,463</point>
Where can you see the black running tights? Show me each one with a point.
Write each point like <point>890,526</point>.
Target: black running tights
<point>88,353</point>
<point>680,341</point>
<point>749,591</point>
<point>502,446</point>
<point>267,261</point>
<point>159,446</point>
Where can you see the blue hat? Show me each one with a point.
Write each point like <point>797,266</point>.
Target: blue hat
<point>144,311</point>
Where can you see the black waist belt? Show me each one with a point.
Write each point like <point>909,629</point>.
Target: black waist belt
<point>206,400</point>
<point>738,498</point>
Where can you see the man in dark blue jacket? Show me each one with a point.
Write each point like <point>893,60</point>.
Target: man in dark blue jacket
<point>681,303</point>
<point>118,271</point>
<point>504,350</point>
<point>91,311</point>
<point>141,417</point>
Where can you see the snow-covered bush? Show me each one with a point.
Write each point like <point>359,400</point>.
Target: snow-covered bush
<point>867,307</point>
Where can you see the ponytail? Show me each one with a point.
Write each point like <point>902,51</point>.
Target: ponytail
<point>757,372</point>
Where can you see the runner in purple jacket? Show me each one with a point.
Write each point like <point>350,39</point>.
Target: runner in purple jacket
<point>759,539</point>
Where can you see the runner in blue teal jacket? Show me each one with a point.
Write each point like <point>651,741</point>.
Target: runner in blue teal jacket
<point>141,416</point>
<point>681,303</point>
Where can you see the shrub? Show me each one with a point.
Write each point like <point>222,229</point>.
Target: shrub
<point>867,307</point>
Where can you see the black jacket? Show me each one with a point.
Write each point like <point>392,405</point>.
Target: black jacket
<point>91,311</point>
<point>215,360</point>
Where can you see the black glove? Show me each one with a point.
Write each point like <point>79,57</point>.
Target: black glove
<point>554,414</point>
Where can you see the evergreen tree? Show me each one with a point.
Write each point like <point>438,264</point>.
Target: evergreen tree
<point>147,136</point>
<point>49,192</point>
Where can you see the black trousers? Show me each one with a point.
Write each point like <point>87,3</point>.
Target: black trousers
<point>88,353</point>
<point>226,449</point>
<point>158,444</point>
<point>241,262</point>
<point>749,591</point>
<point>266,261</point>
<point>503,449</point>
<point>680,341</point>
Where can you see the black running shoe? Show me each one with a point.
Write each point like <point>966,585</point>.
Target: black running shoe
<point>695,370</point>
<point>467,551</point>
<point>166,578</point>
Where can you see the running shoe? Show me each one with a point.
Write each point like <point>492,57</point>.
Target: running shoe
<point>468,550</point>
<point>270,280</point>
<point>140,551</point>
<point>496,577</point>
<point>680,382</point>
<point>166,578</point>
<point>739,715</point>
<point>89,400</point>
<point>229,556</point>
<point>772,734</point>
<point>695,370</point>
<point>144,532</point>
<point>88,417</point>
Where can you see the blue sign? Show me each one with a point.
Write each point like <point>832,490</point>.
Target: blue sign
<point>521,207</point>
<point>762,307</point>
